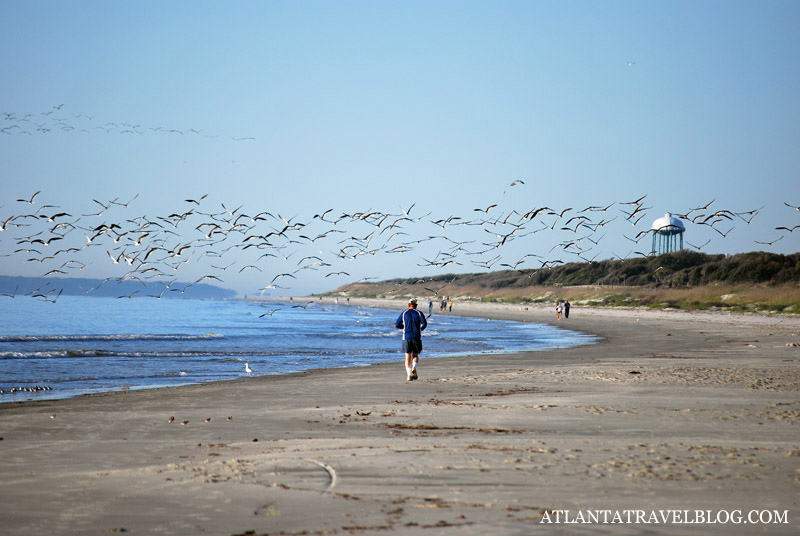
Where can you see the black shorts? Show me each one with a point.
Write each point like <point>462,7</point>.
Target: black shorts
<point>412,346</point>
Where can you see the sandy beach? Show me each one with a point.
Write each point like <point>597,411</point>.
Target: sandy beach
<point>672,415</point>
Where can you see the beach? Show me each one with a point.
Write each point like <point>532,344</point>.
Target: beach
<point>674,418</point>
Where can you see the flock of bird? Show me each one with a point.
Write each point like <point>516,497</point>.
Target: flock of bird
<point>26,389</point>
<point>223,240</point>
<point>58,119</point>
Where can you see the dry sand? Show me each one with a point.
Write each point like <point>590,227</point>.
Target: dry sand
<point>671,411</point>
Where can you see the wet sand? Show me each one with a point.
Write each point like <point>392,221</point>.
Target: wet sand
<point>671,411</point>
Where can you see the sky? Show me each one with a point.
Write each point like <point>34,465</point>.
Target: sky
<point>470,114</point>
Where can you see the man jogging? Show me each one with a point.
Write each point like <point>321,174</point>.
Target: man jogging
<point>412,322</point>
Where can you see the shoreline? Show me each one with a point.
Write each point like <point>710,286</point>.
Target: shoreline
<point>671,410</point>
<point>10,396</point>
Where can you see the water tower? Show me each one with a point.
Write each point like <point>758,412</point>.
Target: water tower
<point>667,234</point>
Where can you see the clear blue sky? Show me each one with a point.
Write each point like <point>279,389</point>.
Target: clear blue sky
<point>297,107</point>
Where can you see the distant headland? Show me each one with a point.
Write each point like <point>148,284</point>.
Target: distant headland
<point>50,287</point>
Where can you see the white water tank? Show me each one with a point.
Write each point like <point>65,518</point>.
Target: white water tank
<point>667,235</point>
<point>669,224</point>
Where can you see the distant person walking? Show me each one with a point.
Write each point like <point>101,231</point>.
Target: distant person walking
<point>559,310</point>
<point>412,322</point>
<point>430,308</point>
<point>450,306</point>
<point>566,309</point>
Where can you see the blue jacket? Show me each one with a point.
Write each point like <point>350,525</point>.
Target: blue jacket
<point>412,322</point>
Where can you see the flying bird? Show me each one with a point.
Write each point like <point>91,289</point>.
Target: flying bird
<point>4,225</point>
<point>698,248</point>
<point>513,183</point>
<point>638,201</point>
<point>436,292</point>
<point>772,242</point>
<point>208,277</point>
<point>196,201</point>
<point>114,202</point>
<point>485,210</point>
<point>283,275</point>
<point>31,200</point>
<point>13,293</point>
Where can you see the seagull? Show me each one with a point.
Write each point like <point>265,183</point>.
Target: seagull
<point>322,216</point>
<point>247,369</point>
<point>114,260</point>
<point>638,201</point>
<point>282,275</point>
<point>485,210</point>
<point>269,287</point>
<point>196,201</point>
<point>4,225</point>
<point>725,234</point>
<point>698,248</point>
<point>105,207</point>
<point>208,277</point>
<point>17,288</point>
<point>114,202</point>
<point>516,264</point>
<point>770,243</point>
<point>436,292</point>
<point>30,201</point>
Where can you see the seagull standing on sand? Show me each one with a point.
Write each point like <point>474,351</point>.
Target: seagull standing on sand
<point>247,369</point>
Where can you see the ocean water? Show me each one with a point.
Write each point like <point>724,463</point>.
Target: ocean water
<point>81,345</point>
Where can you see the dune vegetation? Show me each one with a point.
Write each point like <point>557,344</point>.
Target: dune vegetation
<point>755,281</point>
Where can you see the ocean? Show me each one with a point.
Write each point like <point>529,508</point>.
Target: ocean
<point>80,345</point>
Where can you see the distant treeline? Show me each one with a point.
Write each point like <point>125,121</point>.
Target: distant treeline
<point>49,287</point>
<point>681,269</point>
